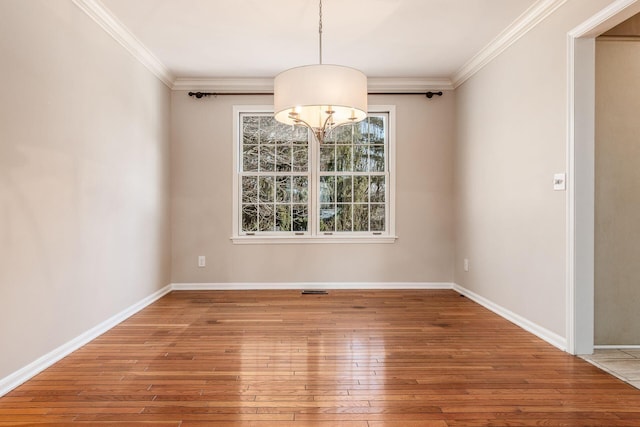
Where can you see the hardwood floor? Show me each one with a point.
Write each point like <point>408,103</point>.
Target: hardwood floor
<point>349,358</point>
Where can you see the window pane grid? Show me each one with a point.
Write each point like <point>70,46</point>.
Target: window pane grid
<point>353,177</point>
<point>350,178</point>
<point>274,176</point>
<point>353,203</point>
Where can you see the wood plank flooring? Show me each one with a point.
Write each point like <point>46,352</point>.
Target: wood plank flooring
<point>349,358</point>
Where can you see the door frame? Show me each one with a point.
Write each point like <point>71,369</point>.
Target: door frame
<point>581,171</point>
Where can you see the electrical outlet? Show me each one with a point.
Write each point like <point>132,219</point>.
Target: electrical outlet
<point>466,264</point>
<point>202,261</point>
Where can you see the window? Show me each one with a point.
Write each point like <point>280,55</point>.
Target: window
<point>290,189</point>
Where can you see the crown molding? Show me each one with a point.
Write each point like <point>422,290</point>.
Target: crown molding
<point>253,85</point>
<point>225,84</point>
<point>521,26</point>
<point>101,15</point>
<point>618,11</point>
<point>407,84</point>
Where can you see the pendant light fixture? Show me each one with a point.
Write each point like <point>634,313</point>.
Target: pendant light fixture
<point>320,97</point>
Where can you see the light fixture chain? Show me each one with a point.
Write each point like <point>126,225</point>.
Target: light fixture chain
<point>320,30</point>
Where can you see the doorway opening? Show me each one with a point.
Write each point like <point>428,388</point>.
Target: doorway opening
<point>581,171</point>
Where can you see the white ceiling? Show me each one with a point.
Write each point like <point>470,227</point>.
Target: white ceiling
<point>260,38</point>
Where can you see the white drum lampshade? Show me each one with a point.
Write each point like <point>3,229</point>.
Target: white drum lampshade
<point>309,95</point>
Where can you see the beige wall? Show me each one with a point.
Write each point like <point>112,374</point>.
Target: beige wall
<point>84,214</point>
<point>511,139</point>
<point>617,219</point>
<point>202,173</point>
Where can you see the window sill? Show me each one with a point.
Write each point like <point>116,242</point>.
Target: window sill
<point>303,240</point>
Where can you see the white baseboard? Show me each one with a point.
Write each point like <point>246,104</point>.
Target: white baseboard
<point>307,285</point>
<point>537,330</point>
<point>617,347</point>
<point>15,379</point>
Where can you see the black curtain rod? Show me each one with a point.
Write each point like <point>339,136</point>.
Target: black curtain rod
<point>214,94</point>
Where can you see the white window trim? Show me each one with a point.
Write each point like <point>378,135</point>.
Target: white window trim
<point>308,238</point>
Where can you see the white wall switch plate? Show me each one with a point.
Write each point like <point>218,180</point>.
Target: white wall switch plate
<point>202,261</point>
<point>560,182</point>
